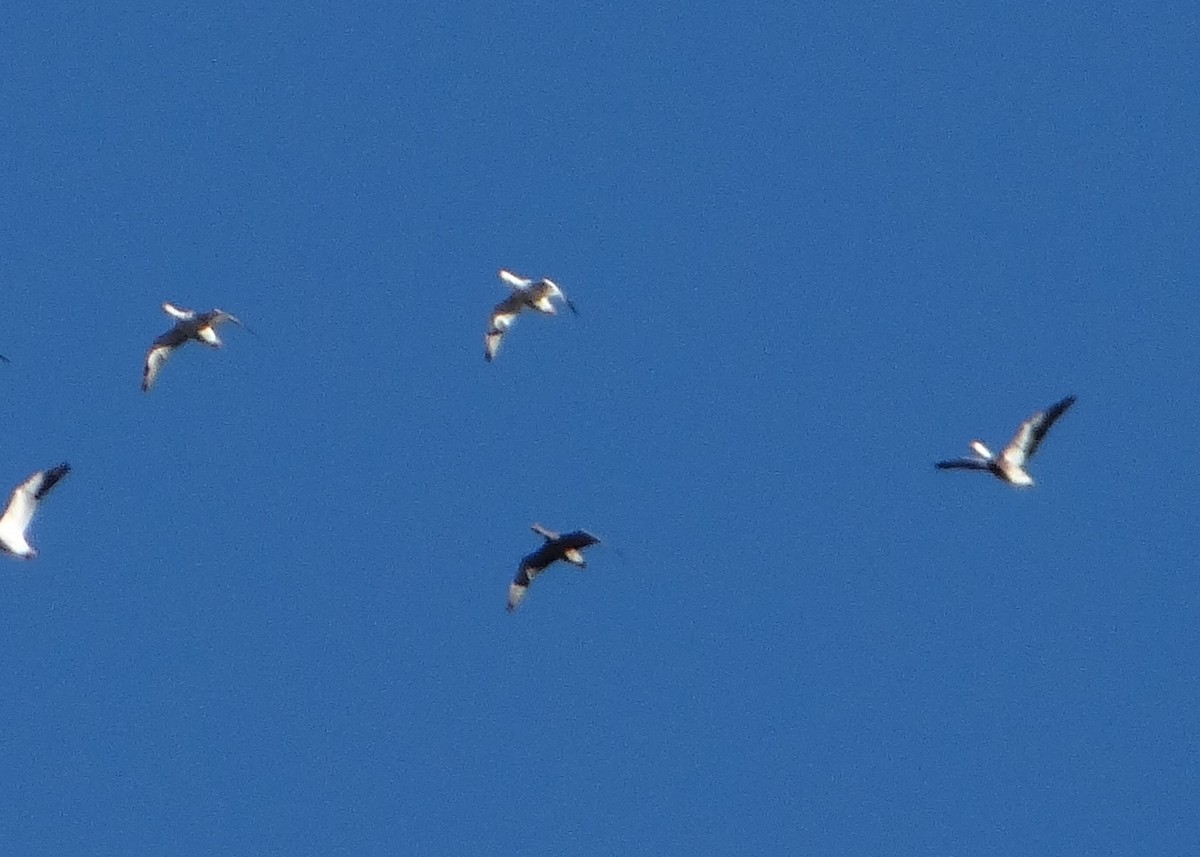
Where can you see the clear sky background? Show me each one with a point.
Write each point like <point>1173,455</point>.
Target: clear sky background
<point>814,250</point>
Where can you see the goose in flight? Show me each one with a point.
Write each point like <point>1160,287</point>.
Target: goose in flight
<point>189,324</point>
<point>1009,465</point>
<point>21,508</point>
<point>567,547</point>
<point>526,294</point>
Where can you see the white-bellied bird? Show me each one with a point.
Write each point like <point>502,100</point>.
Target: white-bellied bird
<point>21,508</point>
<point>526,294</point>
<point>1009,465</point>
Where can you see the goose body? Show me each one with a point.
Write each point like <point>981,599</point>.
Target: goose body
<point>567,547</point>
<point>22,506</point>
<point>1009,466</point>
<point>189,325</point>
<point>526,295</point>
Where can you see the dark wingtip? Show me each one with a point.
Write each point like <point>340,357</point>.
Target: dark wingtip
<point>1062,404</point>
<point>1059,408</point>
<point>53,476</point>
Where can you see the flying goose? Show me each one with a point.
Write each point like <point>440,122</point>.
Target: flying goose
<point>1009,465</point>
<point>567,547</point>
<point>21,508</point>
<point>526,294</point>
<point>189,324</point>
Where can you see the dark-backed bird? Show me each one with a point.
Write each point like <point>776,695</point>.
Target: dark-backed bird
<point>567,547</point>
<point>21,508</point>
<point>189,325</point>
<point>1009,465</point>
<point>526,294</point>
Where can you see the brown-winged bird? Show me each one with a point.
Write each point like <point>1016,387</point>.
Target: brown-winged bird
<point>189,325</point>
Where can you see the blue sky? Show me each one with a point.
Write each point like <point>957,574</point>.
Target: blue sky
<point>814,250</point>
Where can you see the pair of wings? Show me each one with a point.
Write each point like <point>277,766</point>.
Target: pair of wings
<point>506,312</point>
<point>1025,442</point>
<point>555,549</point>
<point>189,324</point>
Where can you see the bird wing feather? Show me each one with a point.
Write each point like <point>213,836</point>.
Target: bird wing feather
<point>962,464</point>
<point>513,280</point>
<point>155,358</point>
<point>1033,431</point>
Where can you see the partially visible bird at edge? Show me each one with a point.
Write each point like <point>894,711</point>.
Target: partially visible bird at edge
<point>22,506</point>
